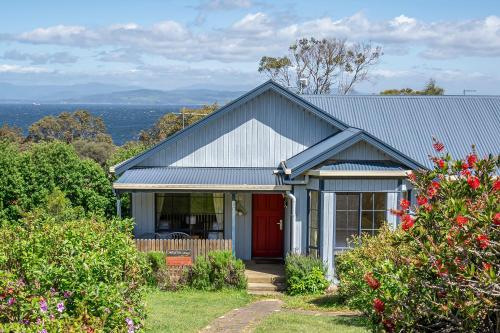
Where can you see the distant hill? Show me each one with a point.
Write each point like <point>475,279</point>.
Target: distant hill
<point>51,93</point>
<point>99,93</point>
<point>151,96</point>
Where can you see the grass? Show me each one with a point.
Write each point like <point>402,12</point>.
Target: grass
<point>330,302</point>
<point>295,322</point>
<point>189,310</point>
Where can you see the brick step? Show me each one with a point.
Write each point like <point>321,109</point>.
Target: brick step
<point>265,278</point>
<point>265,292</point>
<point>259,286</point>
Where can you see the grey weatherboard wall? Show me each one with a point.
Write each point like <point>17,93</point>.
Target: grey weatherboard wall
<point>259,133</point>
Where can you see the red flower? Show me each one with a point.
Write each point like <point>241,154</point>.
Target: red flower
<point>486,266</point>
<point>371,281</point>
<point>465,172</point>
<point>496,185</point>
<point>461,220</point>
<point>496,219</point>
<point>465,166</point>
<point>442,270</point>
<point>471,160</point>
<point>411,176</point>
<point>433,188</point>
<point>378,305</point>
<point>407,223</point>
<point>421,200</point>
<point>441,164</point>
<point>473,182</point>
<point>397,212</point>
<point>388,325</point>
<point>405,204</point>
<point>483,241</point>
<point>438,146</point>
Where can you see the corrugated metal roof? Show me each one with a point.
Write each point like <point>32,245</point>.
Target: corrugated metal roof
<point>362,166</point>
<point>408,123</point>
<point>201,176</point>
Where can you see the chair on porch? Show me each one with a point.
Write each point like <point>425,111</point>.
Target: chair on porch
<point>150,235</point>
<point>178,235</point>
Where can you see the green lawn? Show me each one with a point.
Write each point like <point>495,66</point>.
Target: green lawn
<point>329,302</point>
<point>189,311</point>
<point>294,322</point>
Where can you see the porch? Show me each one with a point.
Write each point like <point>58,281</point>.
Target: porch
<point>248,206</point>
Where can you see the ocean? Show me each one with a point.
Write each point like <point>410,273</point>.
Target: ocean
<point>124,122</point>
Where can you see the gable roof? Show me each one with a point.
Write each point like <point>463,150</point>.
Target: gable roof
<point>325,149</point>
<point>408,123</point>
<point>267,86</point>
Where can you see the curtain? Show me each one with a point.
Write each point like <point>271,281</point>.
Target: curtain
<point>160,201</point>
<point>219,209</point>
<point>392,203</point>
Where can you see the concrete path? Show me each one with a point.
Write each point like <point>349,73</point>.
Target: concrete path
<point>244,319</point>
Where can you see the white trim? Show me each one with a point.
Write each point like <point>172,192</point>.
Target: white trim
<point>357,173</point>
<point>207,187</point>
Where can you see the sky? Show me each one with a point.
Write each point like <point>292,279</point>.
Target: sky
<point>218,43</point>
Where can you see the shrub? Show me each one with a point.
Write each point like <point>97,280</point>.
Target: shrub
<point>30,176</point>
<point>74,275</point>
<point>305,275</point>
<point>442,272</point>
<point>221,270</point>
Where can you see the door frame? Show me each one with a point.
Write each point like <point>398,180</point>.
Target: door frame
<point>284,223</point>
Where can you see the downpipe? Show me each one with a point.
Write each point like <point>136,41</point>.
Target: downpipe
<point>293,206</point>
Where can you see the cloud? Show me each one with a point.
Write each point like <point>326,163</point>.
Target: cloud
<point>5,68</point>
<point>40,58</point>
<point>225,4</point>
<point>257,34</point>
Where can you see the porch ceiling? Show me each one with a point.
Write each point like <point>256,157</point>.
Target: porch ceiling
<point>201,179</point>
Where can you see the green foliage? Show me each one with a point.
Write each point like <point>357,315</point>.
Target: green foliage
<point>431,88</point>
<point>157,260</point>
<point>30,176</point>
<point>99,151</point>
<point>198,275</point>
<point>171,123</point>
<point>68,127</point>
<point>11,134</point>
<point>305,275</point>
<point>221,270</point>
<point>73,275</point>
<point>440,271</point>
<point>12,187</point>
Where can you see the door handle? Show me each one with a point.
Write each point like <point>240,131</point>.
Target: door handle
<point>281,224</point>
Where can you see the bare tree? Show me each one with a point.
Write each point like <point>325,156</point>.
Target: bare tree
<point>316,66</point>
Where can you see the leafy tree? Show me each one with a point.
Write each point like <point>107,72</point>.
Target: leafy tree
<point>68,127</point>
<point>11,134</point>
<point>12,186</point>
<point>431,88</point>
<point>315,66</point>
<point>171,123</point>
<point>99,151</point>
<point>29,177</point>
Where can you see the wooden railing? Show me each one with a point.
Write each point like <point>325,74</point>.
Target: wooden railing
<point>198,247</point>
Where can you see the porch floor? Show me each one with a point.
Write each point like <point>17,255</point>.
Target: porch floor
<point>265,278</point>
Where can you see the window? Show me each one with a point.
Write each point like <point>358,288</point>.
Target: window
<point>200,215</point>
<point>313,231</point>
<point>358,213</point>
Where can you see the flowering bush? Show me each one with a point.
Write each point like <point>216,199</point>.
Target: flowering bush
<point>443,272</point>
<point>74,275</point>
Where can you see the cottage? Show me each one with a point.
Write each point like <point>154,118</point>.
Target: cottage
<point>278,172</point>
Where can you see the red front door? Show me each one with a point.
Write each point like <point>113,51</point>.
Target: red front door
<point>267,225</point>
